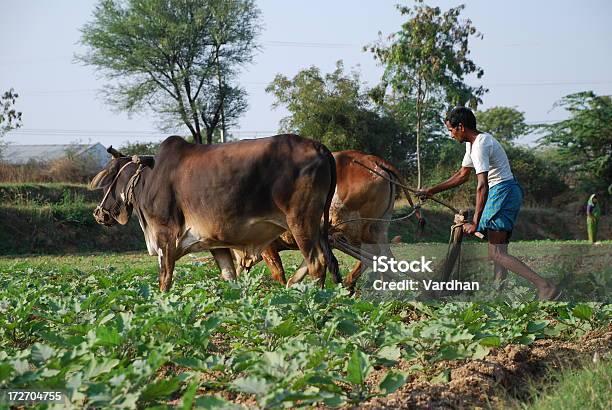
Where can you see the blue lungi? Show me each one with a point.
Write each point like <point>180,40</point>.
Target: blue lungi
<point>502,207</point>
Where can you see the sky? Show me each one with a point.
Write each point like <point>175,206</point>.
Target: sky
<point>533,53</point>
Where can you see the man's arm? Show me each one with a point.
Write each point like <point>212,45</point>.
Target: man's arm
<point>482,190</point>
<point>460,177</point>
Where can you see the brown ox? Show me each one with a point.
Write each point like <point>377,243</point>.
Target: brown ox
<point>240,195</point>
<point>360,195</point>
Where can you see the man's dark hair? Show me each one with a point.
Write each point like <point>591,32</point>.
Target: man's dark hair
<point>461,115</point>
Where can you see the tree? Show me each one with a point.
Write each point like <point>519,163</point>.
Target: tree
<point>338,110</point>
<point>10,118</point>
<point>434,136</point>
<point>504,123</point>
<point>539,177</point>
<point>428,60</point>
<point>139,148</point>
<point>176,57</point>
<point>584,140</point>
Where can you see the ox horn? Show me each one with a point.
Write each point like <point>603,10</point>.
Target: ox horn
<point>146,160</point>
<point>114,152</point>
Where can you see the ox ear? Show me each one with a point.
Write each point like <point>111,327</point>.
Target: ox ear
<point>114,152</point>
<point>103,179</point>
<point>146,160</point>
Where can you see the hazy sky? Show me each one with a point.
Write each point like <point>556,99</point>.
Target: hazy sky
<point>533,53</point>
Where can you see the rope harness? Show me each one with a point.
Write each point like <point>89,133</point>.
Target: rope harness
<point>127,194</point>
<point>129,188</point>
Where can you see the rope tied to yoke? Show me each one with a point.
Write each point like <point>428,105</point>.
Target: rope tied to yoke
<point>414,208</point>
<point>414,191</point>
<point>128,192</point>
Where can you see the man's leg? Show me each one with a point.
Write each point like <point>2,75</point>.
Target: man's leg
<point>499,270</point>
<point>499,255</point>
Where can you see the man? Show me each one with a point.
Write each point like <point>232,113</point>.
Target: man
<point>498,197</point>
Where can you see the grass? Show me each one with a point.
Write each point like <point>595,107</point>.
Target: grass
<point>58,185</point>
<point>585,387</point>
<point>46,193</point>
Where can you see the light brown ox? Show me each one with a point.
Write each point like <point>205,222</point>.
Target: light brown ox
<point>360,194</point>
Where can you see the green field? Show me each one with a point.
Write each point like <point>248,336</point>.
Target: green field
<point>571,389</point>
<point>97,328</point>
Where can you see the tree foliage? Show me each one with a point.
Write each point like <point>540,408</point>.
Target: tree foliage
<point>584,140</point>
<point>540,178</point>
<point>428,60</point>
<point>139,148</point>
<point>403,111</point>
<point>10,118</point>
<point>338,110</point>
<point>176,57</point>
<point>504,123</point>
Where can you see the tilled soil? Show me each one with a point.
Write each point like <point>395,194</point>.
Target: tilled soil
<point>504,374</point>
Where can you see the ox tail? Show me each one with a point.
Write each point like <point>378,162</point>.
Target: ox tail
<point>330,258</point>
<point>395,174</point>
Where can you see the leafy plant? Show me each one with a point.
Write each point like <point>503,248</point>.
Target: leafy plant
<point>104,334</point>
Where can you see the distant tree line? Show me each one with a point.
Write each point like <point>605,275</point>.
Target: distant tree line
<point>181,60</point>
<point>401,119</point>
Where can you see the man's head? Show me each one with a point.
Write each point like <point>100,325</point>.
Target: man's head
<point>460,122</point>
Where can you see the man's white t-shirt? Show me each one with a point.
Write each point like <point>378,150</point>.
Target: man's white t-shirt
<point>487,154</point>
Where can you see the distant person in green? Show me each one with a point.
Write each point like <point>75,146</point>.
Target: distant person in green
<point>593,213</point>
